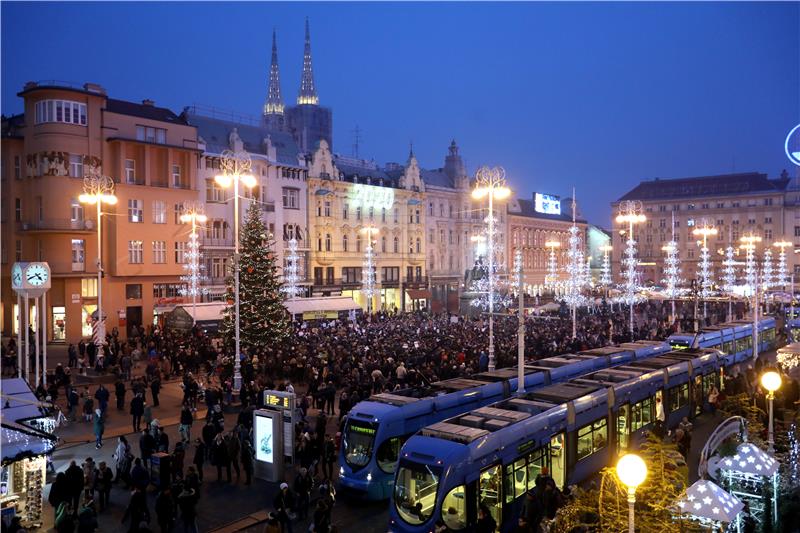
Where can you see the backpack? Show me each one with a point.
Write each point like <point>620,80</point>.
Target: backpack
<point>62,514</point>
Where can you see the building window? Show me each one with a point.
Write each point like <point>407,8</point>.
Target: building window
<point>159,252</point>
<point>135,252</point>
<point>358,212</point>
<point>383,243</point>
<point>130,171</point>
<point>177,212</point>
<point>17,167</point>
<point>180,252</point>
<point>767,201</point>
<point>430,208</point>
<point>662,208</point>
<point>89,288</point>
<point>736,204</point>
<point>704,206</point>
<point>797,231</point>
<point>327,208</point>
<point>291,198</point>
<point>768,234</point>
<point>65,111</point>
<point>767,220</point>
<point>344,243</point>
<point>419,245</point>
<point>383,214</point>
<point>78,255</point>
<point>358,243</point>
<point>214,192</point>
<point>176,176</point>
<point>690,223</point>
<point>592,438</point>
<point>75,166</point>
<point>396,244</point>
<point>76,211</point>
<point>167,290</point>
<point>328,242</point>
<point>390,274</point>
<point>351,274</point>
<point>159,212</point>
<point>133,291</point>
<point>18,209</point>
<point>431,237</point>
<point>690,207</point>
<point>151,135</point>
<point>345,208</point>
<point>396,215</point>
<point>135,213</point>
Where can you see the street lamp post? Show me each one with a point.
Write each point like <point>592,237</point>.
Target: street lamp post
<point>706,282</point>
<point>195,216</point>
<point>236,167</point>
<point>630,212</point>
<point>491,183</point>
<point>99,190</point>
<point>771,381</point>
<point>632,471</point>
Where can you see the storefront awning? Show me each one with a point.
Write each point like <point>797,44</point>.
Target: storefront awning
<point>19,441</point>
<point>419,294</point>
<point>330,303</point>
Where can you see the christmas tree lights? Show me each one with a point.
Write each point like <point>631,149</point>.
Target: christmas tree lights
<point>368,281</point>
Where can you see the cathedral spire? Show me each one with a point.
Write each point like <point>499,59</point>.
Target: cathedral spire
<point>308,94</point>
<point>274,105</point>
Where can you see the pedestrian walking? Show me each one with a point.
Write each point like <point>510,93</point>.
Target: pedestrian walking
<point>165,510</point>
<point>155,389</point>
<point>74,478</point>
<point>219,456</point>
<point>187,501</point>
<point>283,503</point>
<point>103,480</point>
<point>248,457</point>
<point>102,396</point>
<point>186,420</point>
<point>99,428</point>
<point>199,457</point>
<point>137,410</point>
<point>119,391</point>
<point>137,510</point>
<point>234,450</point>
<point>123,459</point>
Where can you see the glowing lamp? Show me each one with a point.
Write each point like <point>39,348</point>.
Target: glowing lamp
<point>223,180</point>
<point>480,192</point>
<point>631,470</point>
<point>502,193</point>
<point>109,199</point>
<point>606,248</point>
<point>771,380</point>
<point>552,244</point>
<point>87,199</point>
<point>248,180</point>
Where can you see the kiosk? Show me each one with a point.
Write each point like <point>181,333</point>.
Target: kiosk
<point>268,444</point>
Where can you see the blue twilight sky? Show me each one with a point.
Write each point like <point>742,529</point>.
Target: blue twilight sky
<point>599,95</point>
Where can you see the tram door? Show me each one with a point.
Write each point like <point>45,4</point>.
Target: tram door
<point>623,427</point>
<point>489,492</point>
<point>697,395</point>
<point>558,453</point>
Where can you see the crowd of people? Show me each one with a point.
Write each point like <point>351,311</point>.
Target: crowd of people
<point>334,365</point>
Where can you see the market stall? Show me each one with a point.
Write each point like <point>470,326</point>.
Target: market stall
<point>25,446</point>
<point>708,504</point>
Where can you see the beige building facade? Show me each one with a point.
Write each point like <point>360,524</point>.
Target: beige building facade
<point>64,134</point>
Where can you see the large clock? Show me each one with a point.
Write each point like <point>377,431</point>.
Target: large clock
<point>16,276</point>
<point>37,275</point>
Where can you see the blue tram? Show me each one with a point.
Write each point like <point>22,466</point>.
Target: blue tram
<point>731,337</point>
<point>491,455</point>
<point>376,428</point>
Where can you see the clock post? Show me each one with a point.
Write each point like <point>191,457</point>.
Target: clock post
<point>32,281</point>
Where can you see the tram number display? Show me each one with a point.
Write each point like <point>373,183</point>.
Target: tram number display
<point>280,402</point>
<point>361,429</point>
<point>526,447</point>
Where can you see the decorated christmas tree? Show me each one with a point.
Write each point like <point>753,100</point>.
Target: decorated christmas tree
<point>263,318</point>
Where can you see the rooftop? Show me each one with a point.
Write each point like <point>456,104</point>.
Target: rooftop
<point>720,185</point>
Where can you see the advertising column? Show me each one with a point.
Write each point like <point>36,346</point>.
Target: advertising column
<point>268,444</point>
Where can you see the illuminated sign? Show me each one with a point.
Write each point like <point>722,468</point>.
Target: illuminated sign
<point>547,204</point>
<point>792,145</point>
<point>367,196</point>
<point>320,315</point>
<point>263,438</point>
<point>271,400</point>
<point>361,429</point>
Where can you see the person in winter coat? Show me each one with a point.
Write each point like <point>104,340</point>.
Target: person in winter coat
<point>219,456</point>
<point>328,457</point>
<point>103,479</point>
<point>234,450</point>
<point>283,504</point>
<point>119,390</point>
<point>137,510</point>
<point>59,492</point>
<point>137,410</point>
<point>199,458</point>
<point>303,484</point>
<point>165,510</point>
<point>247,461</point>
<point>123,459</point>
<point>74,478</point>
<point>486,523</point>
<point>178,456</point>
<point>186,421</point>
<point>140,478</point>
<point>147,445</point>
<point>87,519</point>
<point>187,501</point>
<point>89,476</point>
<point>99,428</point>
<point>155,388</point>
<point>102,395</point>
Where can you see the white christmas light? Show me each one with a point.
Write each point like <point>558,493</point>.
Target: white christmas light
<point>605,269</point>
<point>291,272</point>
<point>783,278</point>
<point>729,270</point>
<point>767,272</point>
<point>368,280</point>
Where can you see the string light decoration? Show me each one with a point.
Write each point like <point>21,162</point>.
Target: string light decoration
<point>630,212</point>
<point>767,271</point>
<point>794,456</point>
<point>783,277</point>
<point>368,280</point>
<point>729,270</point>
<point>750,268</point>
<point>576,271</point>
<point>291,272</point>
<point>192,257</point>
<point>551,278</point>
<point>518,269</point>
<point>788,360</point>
<point>605,268</point>
<point>706,272</point>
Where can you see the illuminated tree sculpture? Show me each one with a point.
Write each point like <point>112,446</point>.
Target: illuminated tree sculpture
<point>729,276</point>
<point>576,272</point>
<point>605,268</point>
<point>630,212</point>
<point>291,272</point>
<point>767,271</point>
<point>551,278</point>
<point>783,278</point>
<point>192,258</point>
<point>368,278</point>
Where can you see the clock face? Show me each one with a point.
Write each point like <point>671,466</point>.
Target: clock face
<point>36,275</point>
<point>16,276</point>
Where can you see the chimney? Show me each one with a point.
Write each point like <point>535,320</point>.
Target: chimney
<point>94,88</point>
<point>148,102</point>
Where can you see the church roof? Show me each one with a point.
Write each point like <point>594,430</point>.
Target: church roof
<point>216,131</point>
<point>721,185</point>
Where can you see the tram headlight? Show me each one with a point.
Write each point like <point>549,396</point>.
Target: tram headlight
<point>369,476</point>
<point>341,470</point>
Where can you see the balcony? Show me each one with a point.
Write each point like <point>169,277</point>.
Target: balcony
<point>216,242</point>
<point>417,281</point>
<point>57,225</point>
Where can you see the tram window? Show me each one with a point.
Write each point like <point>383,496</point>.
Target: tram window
<point>642,414</point>
<point>709,380</point>
<point>415,491</point>
<point>769,337</point>
<point>387,454</point>
<point>536,462</point>
<point>623,418</point>
<point>678,397</point>
<point>592,438</point>
<point>454,509</point>
<point>489,491</point>
<point>508,483</point>
<point>727,347</point>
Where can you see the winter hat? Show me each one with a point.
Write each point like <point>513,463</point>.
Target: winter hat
<point>284,486</point>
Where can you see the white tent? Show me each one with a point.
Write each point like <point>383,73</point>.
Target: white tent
<point>322,304</point>
<point>749,459</point>
<point>706,500</point>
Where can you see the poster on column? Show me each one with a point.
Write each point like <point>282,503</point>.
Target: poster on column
<point>265,444</point>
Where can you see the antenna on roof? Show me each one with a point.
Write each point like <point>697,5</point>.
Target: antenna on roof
<point>356,140</point>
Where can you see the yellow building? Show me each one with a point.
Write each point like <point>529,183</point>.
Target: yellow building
<point>351,199</point>
<point>65,134</point>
